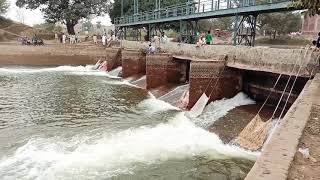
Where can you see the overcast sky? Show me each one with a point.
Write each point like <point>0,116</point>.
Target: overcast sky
<point>32,17</point>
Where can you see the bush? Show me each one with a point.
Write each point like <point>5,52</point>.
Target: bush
<point>283,41</point>
<point>5,22</point>
<point>46,36</point>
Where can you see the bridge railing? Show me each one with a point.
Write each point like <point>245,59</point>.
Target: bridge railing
<point>185,9</point>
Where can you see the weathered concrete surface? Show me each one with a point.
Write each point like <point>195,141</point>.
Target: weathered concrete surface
<point>133,63</point>
<point>13,54</point>
<point>157,70</point>
<point>278,154</point>
<point>163,69</point>
<point>212,78</point>
<point>258,85</point>
<point>251,58</point>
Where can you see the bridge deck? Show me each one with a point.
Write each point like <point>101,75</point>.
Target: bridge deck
<point>203,10</point>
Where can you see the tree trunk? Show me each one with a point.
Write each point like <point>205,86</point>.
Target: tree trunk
<point>70,28</point>
<point>274,34</point>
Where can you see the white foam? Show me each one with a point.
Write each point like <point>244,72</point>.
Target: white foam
<point>116,153</point>
<point>153,105</point>
<point>142,79</point>
<point>121,82</point>
<point>115,72</point>
<point>220,108</point>
<point>175,95</point>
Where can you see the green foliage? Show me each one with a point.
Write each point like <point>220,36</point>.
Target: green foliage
<point>279,23</point>
<point>224,23</point>
<point>5,22</point>
<point>313,6</point>
<point>4,5</point>
<point>48,28</point>
<point>66,11</point>
<point>87,25</point>
<point>298,41</point>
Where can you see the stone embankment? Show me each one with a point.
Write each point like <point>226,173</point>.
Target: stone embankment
<point>53,54</point>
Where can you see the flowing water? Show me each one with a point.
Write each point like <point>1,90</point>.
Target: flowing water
<point>75,123</point>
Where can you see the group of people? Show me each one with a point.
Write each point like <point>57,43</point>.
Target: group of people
<point>35,40</point>
<point>205,39</point>
<point>156,41</point>
<point>104,39</point>
<point>65,38</point>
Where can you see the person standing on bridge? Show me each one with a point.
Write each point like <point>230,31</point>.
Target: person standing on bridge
<point>208,38</point>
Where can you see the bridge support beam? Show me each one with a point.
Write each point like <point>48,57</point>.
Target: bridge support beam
<point>188,31</point>
<point>245,30</point>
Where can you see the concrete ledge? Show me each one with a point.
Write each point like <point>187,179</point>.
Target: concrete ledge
<point>46,60</point>
<point>278,154</point>
<point>251,58</point>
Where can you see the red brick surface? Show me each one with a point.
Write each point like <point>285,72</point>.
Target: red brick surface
<point>133,63</point>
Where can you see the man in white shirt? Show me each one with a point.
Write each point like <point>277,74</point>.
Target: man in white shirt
<point>95,39</point>
<point>104,39</point>
<point>64,37</point>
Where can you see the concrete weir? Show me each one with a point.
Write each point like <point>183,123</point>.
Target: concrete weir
<point>220,71</point>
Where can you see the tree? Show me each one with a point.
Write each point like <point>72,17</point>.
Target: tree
<point>4,5</point>
<point>279,23</point>
<point>67,11</point>
<point>224,23</point>
<point>45,27</point>
<point>313,6</point>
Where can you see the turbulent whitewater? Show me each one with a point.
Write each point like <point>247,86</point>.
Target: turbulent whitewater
<point>75,123</point>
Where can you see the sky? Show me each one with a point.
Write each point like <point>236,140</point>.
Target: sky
<point>32,17</point>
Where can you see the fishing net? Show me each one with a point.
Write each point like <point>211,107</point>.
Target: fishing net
<point>253,136</point>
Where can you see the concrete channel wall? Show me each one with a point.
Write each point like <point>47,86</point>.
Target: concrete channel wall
<point>250,58</point>
<point>57,55</point>
<point>278,154</point>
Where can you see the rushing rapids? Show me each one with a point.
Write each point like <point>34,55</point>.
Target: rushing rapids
<point>76,123</point>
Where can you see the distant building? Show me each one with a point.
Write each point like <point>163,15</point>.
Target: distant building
<point>310,25</point>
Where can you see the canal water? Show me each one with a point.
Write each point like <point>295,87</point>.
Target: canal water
<point>75,123</point>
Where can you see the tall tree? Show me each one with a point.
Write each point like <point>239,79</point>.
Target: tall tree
<point>279,23</point>
<point>67,11</point>
<point>3,6</point>
<point>313,6</point>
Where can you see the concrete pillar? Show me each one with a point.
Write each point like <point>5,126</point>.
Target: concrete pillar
<point>133,63</point>
<point>157,70</point>
<point>229,83</point>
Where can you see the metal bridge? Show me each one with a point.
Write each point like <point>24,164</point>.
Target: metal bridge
<point>187,15</point>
